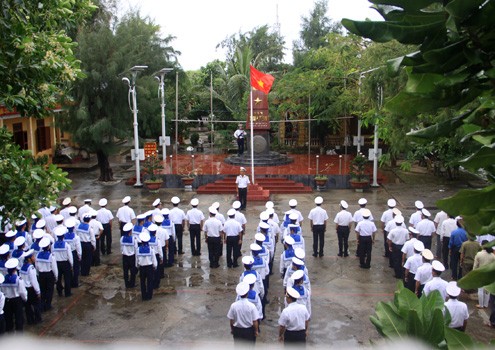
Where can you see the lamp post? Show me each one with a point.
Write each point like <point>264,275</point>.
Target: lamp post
<point>317,164</point>
<point>161,93</point>
<point>133,105</point>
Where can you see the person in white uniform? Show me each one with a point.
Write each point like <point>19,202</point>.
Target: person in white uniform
<point>242,181</point>
<point>457,309</point>
<point>243,316</point>
<point>318,222</point>
<point>294,320</point>
<point>436,282</point>
<point>343,221</point>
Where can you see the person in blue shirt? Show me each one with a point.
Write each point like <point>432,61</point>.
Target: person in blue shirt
<point>457,237</point>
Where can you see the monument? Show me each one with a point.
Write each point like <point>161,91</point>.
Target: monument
<point>261,136</point>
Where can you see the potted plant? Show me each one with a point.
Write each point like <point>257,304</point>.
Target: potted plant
<point>359,180</point>
<point>152,166</point>
<point>321,180</point>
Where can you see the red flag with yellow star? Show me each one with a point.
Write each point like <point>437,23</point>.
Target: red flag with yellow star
<point>261,81</point>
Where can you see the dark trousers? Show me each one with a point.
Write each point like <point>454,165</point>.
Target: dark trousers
<point>364,250</point>
<point>242,197</point>
<point>492,306</point>
<point>396,256</point>
<point>179,231</point>
<point>2,324</point>
<point>233,250</point>
<point>96,253</point>
<point>86,258</point>
<point>240,146</point>
<point>426,241</point>
<point>76,268</point>
<point>157,272</point>
<point>47,283</point>
<point>121,228</point>
<point>343,236</point>
<point>161,267</point>
<point>318,239</point>
<point>454,263</point>
<point>32,307</point>
<point>242,335</point>
<point>65,272</point>
<point>146,277</point>
<point>106,239</point>
<point>13,311</point>
<point>171,252</point>
<point>214,248</point>
<point>445,251</point>
<point>411,282</point>
<point>295,336</point>
<point>195,236</point>
<point>130,270</point>
<point>387,253</point>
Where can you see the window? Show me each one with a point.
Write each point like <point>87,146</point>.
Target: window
<point>43,141</point>
<point>20,136</point>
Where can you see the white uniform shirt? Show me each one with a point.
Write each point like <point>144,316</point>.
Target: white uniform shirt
<point>413,263</point>
<point>294,317</point>
<point>83,210</point>
<point>125,214</point>
<point>104,215</point>
<point>425,227</point>
<point>220,218</point>
<point>358,216</point>
<point>163,234</point>
<point>145,259</point>
<point>232,228</point>
<point>458,312</point>
<point>75,244</point>
<point>14,290</point>
<point>298,213</point>
<point>439,219</point>
<point>343,218</point>
<point>447,227</point>
<point>365,228</point>
<point>240,217</point>
<point>65,213</point>
<point>391,224</point>
<point>177,216</point>
<point>47,265</point>
<point>128,248</point>
<point>63,254</point>
<point>30,278</point>
<point>387,216</point>
<point>240,133</point>
<point>2,302</point>
<point>243,313</point>
<point>242,181</point>
<point>318,215</point>
<point>194,216</point>
<point>96,227</point>
<point>408,247</point>
<point>436,283</point>
<point>213,227</point>
<point>415,218</point>
<point>398,235</point>
<point>423,274</point>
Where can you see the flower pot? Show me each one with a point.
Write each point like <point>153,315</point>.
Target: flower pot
<point>359,186</point>
<point>321,182</point>
<point>153,185</point>
<point>187,181</point>
<point>131,181</point>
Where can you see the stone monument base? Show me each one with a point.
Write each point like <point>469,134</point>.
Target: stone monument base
<point>260,159</point>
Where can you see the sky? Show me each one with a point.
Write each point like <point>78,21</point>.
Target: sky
<point>200,25</point>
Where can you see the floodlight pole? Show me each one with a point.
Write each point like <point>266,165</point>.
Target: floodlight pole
<point>161,92</point>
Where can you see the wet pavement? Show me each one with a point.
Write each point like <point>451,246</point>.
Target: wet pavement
<point>190,307</point>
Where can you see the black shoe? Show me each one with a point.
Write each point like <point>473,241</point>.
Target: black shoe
<point>315,255</point>
<point>181,253</point>
<point>321,255</point>
<point>340,254</point>
<point>346,255</point>
<point>235,265</point>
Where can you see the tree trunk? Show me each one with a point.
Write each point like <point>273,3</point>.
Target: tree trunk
<point>106,173</point>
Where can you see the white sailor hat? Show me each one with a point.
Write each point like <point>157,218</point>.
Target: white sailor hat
<point>152,228</point>
<point>242,288</point>
<point>12,263</point>
<point>86,217</point>
<point>247,260</point>
<point>45,242</point>
<point>59,218</point>
<point>194,202</point>
<point>437,266</point>
<point>419,246</point>
<point>19,241</point>
<point>165,211</point>
<point>297,275</point>
<point>264,216</point>
<point>60,231</point>
<point>72,209</point>
<point>457,218</point>
<point>216,205</point>
<point>292,203</point>
<point>399,219</point>
<point>299,253</point>
<point>69,223</point>
<point>249,278</point>
<point>66,201</point>
<point>294,294</point>
<point>126,199</point>
<point>20,222</point>
<point>127,227</point>
<point>103,202</point>
<point>34,217</point>
<point>391,203</point>
<point>297,261</point>
<point>427,254</point>
<point>236,205</point>
<point>242,168</point>
<point>293,216</point>
<point>259,237</point>
<point>269,205</point>
<point>52,208</point>
<point>27,253</point>
<point>413,230</point>
<point>264,225</point>
<point>419,205</point>
<point>38,233</point>
<point>366,213</point>
<point>289,240</point>
<point>396,212</point>
<point>425,212</point>
<point>41,223</point>
<point>4,248</point>
<point>344,204</point>
<point>362,201</point>
<point>255,247</point>
<point>231,212</point>
<point>318,200</point>
<point>2,279</point>
<point>10,234</point>
<point>175,200</point>
<point>156,202</point>
<point>87,200</point>
<point>149,213</point>
<point>452,289</point>
<point>144,236</point>
<point>141,217</point>
<point>158,218</point>
<point>270,211</point>
<point>213,210</point>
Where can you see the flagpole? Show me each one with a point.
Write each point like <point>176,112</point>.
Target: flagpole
<point>252,142</point>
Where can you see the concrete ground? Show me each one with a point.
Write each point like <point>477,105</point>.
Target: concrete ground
<point>190,307</point>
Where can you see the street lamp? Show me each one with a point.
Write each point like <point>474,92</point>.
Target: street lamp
<point>161,93</point>
<point>133,105</point>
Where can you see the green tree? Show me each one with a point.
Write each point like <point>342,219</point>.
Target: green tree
<point>27,183</point>
<point>38,64</point>
<point>101,113</point>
